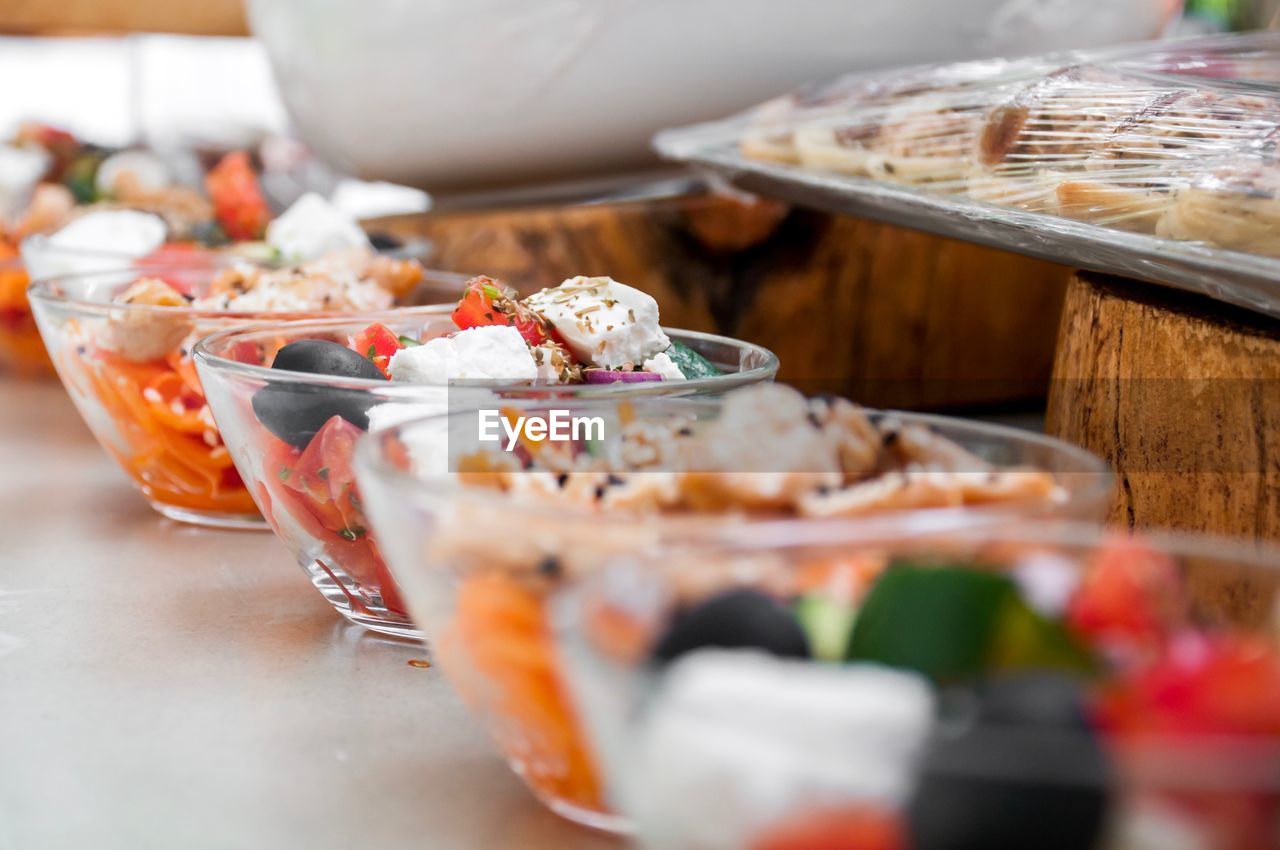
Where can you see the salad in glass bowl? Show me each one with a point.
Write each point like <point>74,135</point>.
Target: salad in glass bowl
<point>121,342</point>
<point>291,400</point>
<point>70,207</point>
<point>1002,687</point>
<point>481,540</point>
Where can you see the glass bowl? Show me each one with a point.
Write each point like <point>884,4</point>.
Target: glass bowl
<point>477,568</point>
<point>1169,736</point>
<point>308,493</point>
<point>131,375</point>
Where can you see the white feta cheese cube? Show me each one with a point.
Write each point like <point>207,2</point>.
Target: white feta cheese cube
<point>430,401</point>
<point>662,364</point>
<point>552,361</point>
<point>736,738</point>
<point>489,353</point>
<point>313,227</point>
<point>604,323</point>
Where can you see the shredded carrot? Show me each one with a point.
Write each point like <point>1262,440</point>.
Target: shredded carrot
<point>500,651</point>
<point>166,442</point>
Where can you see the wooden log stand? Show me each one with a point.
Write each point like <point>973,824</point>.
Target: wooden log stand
<point>1182,396</point>
<point>885,315</point>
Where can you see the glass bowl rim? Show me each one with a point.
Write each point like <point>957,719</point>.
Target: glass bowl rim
<point>46,291</point>
<point>728,528</point>
<point>1082,538</point>
<point>203,354</point>
<point>411,247</point>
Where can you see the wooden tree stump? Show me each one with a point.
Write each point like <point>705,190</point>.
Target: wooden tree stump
<point>1182,396</point>
<point>885,315</point>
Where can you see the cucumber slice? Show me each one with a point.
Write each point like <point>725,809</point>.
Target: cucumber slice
<point>957,623</point>
<point>80,177</point>
<point>828,624</point>
<point>691,363</point>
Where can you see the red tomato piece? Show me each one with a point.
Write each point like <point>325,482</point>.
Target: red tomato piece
<point>857,828</point>
<point>237,198</point>
<point>378,343</point>
<point>1203,685</point>
<point>1128,599</point>
<point>323,473</point>
<point>319,493</point>
<point>487,302</point>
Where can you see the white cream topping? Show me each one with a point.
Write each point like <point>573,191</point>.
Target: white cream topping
<point>98,241</point>
<point>150,171</point>
<point>662,364</point>
<point>488,353</point>
<point>20,170</point>
<point>312,227</point>
<point>124,233</point>
<point>604,323</point>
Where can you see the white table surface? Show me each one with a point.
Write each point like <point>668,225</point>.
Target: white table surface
<point>170,687</point>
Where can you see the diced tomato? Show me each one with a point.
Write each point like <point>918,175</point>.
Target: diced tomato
<point>323,473</point>
<point>378,343</point>
<point>487,302</point>
<point>1203,685</point>
<point>856,828</point>
<point>317,489</point>
<point>1126,602</point>
<point>386,584</point>
<point>237,198</point>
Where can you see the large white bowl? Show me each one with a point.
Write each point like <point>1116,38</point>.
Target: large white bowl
<point>457,94</point>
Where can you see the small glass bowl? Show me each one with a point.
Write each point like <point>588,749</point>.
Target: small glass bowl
<point>130,373</point>
<point>322,520</point>
<point>478,567</point>
<point>691,771</point>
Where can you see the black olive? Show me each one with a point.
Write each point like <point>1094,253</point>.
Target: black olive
<point>322,357</point>
<point>736,619</point>
<point>1039,697</point>
<point>1027,773</point>
<point>385,242</point>
<point>295,412</point>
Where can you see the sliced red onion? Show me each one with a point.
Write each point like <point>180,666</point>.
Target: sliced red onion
<point>611,376</point>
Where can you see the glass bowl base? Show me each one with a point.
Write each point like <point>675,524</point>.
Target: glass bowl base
<point>591,818</point>
<point>358,610</point>
<point>212,519</point>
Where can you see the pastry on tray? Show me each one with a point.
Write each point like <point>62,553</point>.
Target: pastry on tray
<point>1125,149</point>
<point>1130,181</point>
<point>1235,206</point>
<point>923,139</point>
<point>866,126</point>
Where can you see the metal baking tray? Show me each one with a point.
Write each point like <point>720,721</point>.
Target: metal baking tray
<point>1238,63</point>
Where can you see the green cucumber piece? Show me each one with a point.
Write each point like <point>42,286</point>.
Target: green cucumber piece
<point>938,621</point>
<point>955,623</point>
<point>827,624</point>
<point>81,177</point>
<point>691,363</point>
